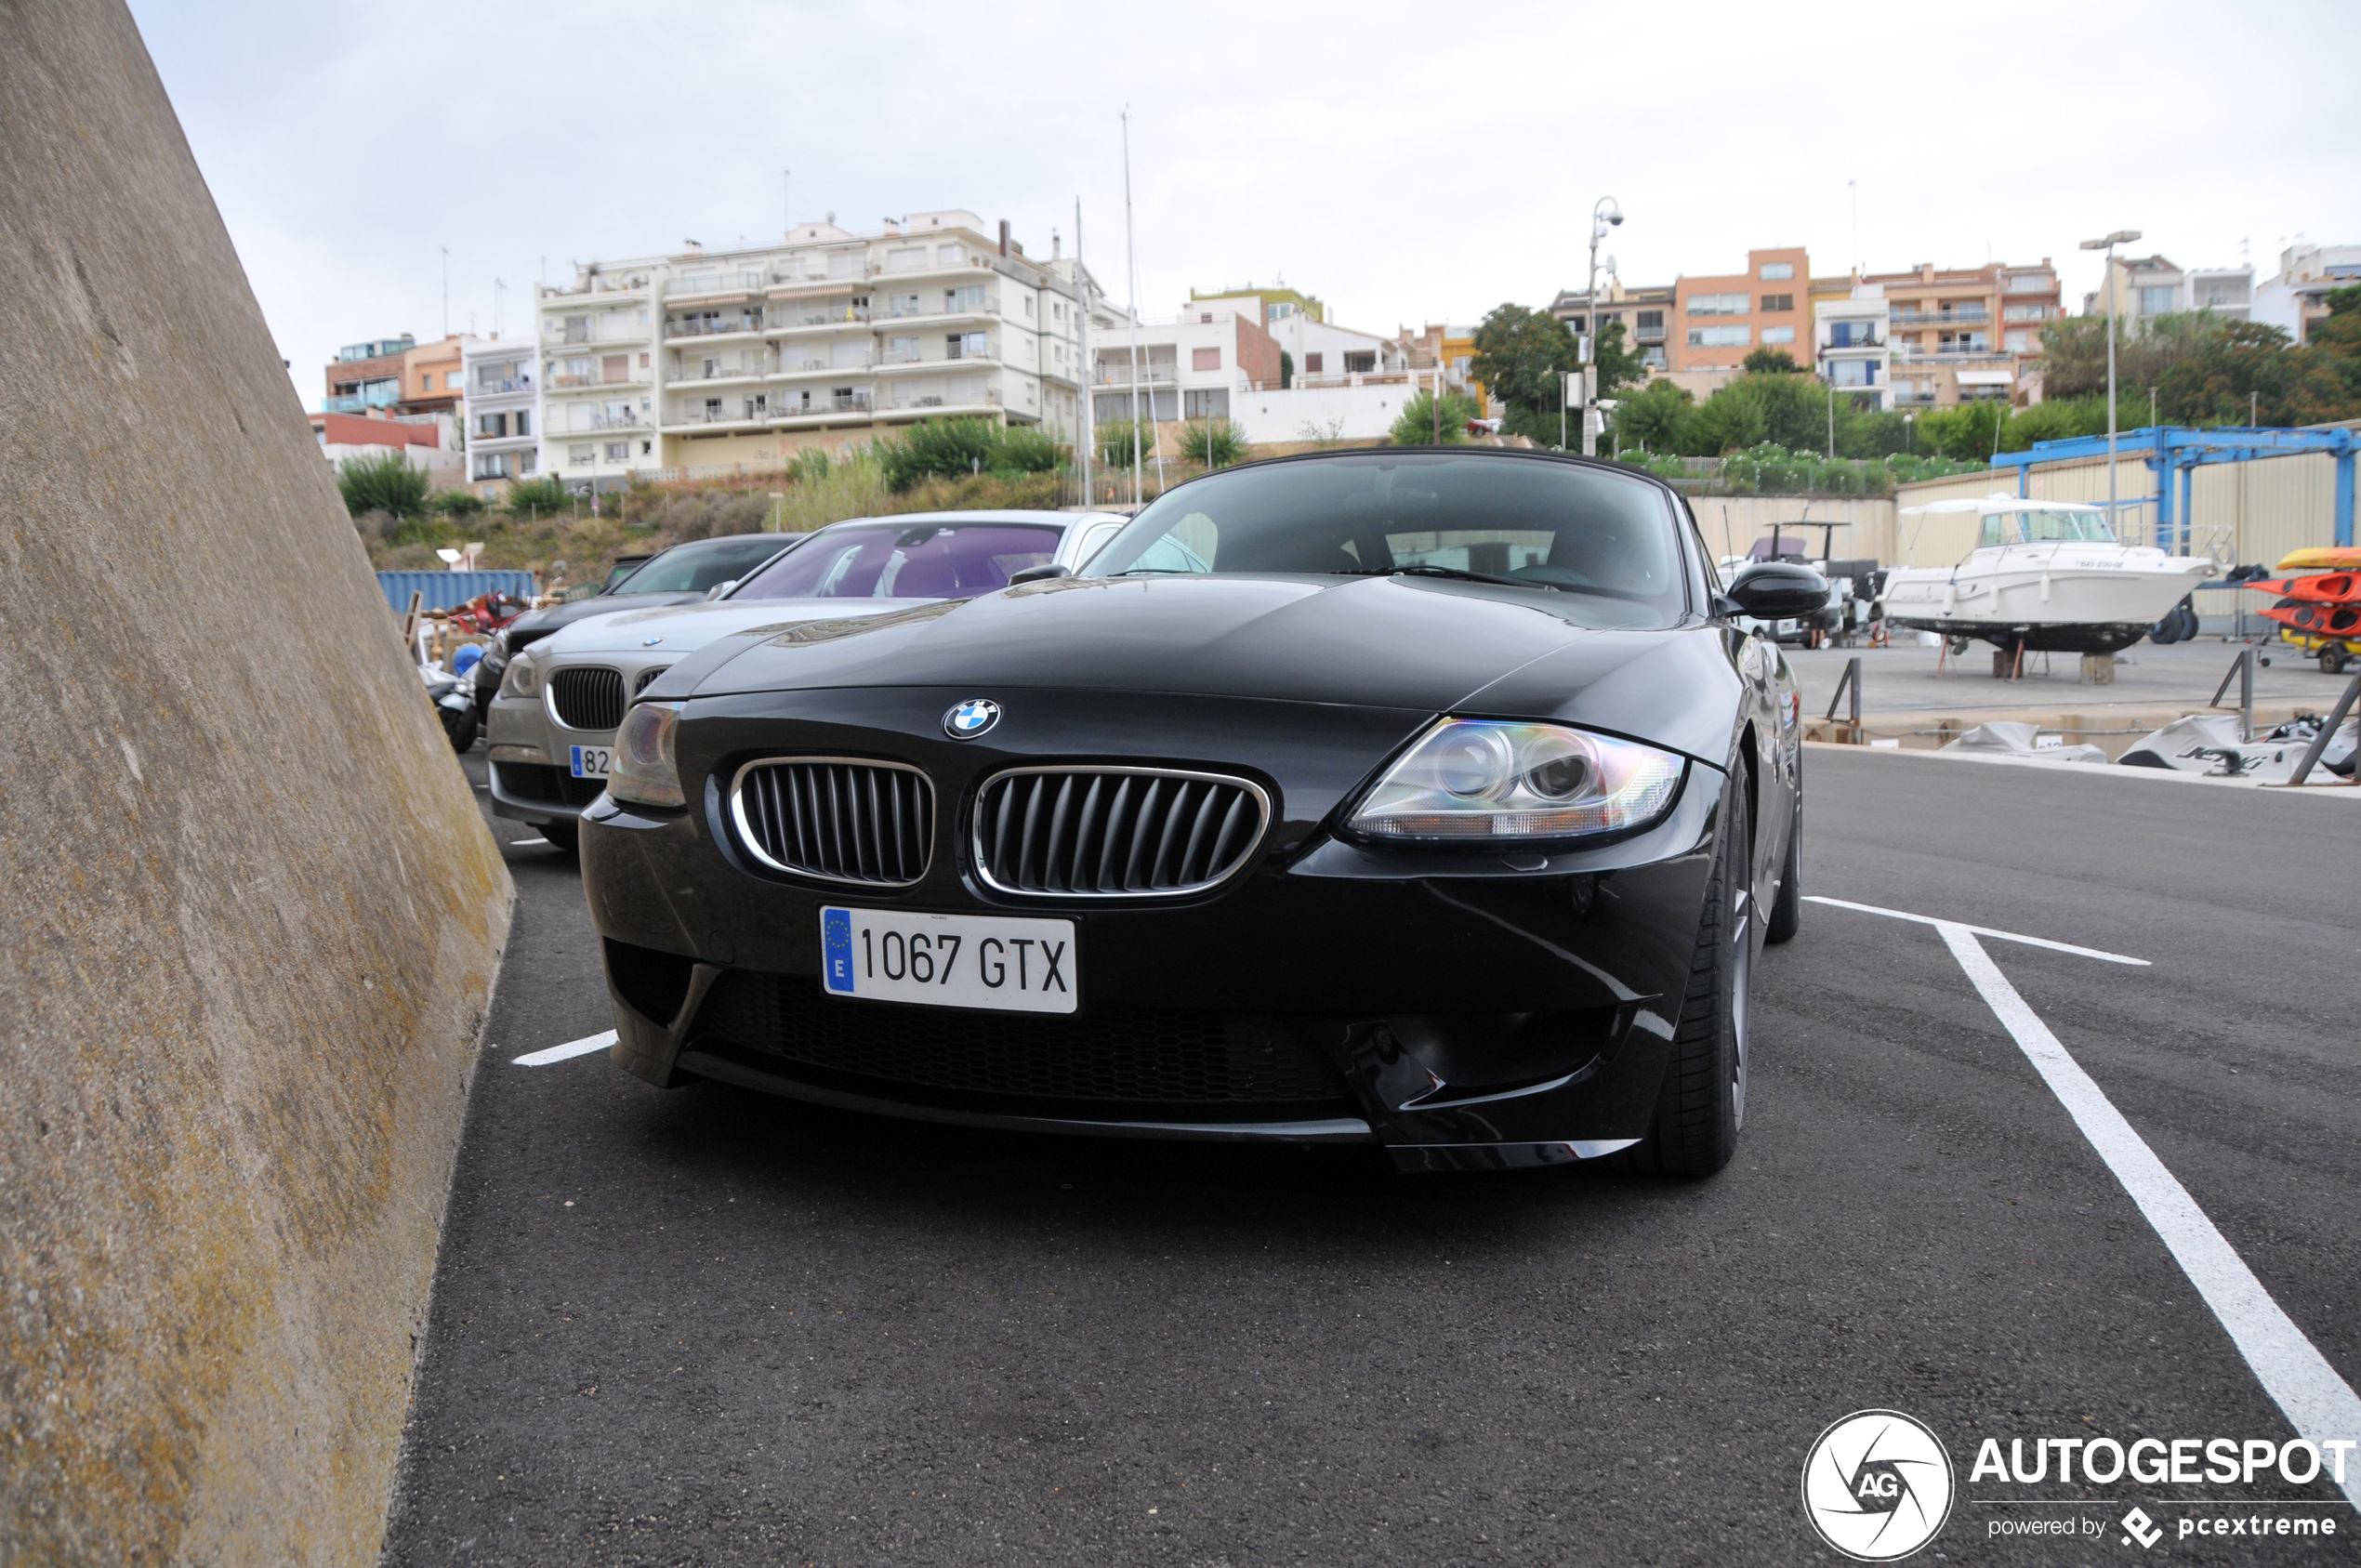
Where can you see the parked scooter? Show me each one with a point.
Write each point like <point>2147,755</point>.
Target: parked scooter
<point>453,703</point>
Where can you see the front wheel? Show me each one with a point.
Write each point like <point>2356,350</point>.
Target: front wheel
<point>564,835</point>
<point>1703,1102</point>
<point>2332,661</point>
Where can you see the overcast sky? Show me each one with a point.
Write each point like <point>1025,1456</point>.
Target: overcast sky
<point>1406,162</point>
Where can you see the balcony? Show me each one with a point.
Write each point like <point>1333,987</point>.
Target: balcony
<point>1967,314</point>
<point>810,365</point>
<point>719,327</point>
<point>764,365</point>
<point>576,383</point>
<point>1833,347</point>
<point>736,281</point>
<point>627,420</point>
<point>843,315</point>
<point>634,282</point>
<point>1119,375</point>
<point>851,403</point>
<point>341,406</point>
<point>990,398</point>
<point>748,413</point>
<point>494,387</point>
<point>1647,335</point>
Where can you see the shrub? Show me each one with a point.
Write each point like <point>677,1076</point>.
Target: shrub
<point>1415,426</point>
<point>1114,441</point>
<point>1215,442</point>
<point>939,448</point>
<point>810,467</point>
<point>384,484</point>
<point>1023,449</point>
<point>457,503</point>
<point>544,497</point>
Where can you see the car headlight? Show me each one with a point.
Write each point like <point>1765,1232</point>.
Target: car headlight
<point>1472,778</point>
<point>523,677</point>
<point>644,772</point>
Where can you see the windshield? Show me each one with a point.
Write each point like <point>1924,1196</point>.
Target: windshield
<point>898,560</point>
<point>2046,528</point>
<point>1586,532</point>
<point>694,567</point>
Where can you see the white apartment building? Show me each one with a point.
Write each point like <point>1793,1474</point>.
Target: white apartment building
<point>1851,340</point>
<point>2297,295</point>
<point>500,381</point>
<point>2153,285</point>
<point>700,360</point>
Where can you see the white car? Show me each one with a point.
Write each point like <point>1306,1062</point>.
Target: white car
<point>552,725</point>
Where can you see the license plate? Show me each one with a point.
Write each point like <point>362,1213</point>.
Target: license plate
<point>592,761</point>
<point>948,960</point>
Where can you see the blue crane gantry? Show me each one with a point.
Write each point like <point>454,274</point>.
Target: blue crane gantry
<point>2173,450</point>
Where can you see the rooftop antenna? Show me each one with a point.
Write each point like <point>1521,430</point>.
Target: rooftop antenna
<point>446,291</point>
<point>499,300</point>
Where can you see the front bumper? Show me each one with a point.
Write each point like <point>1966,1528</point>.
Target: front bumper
<point>1462,1011</point>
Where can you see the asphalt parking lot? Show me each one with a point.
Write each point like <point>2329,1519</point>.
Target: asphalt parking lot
<point>709,1327</point>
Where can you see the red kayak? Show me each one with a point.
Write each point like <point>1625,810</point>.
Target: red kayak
<point>2317,620</point>
<point>2328,588</point>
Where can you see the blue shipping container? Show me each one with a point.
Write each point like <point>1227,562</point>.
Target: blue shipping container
<point>448,590</point>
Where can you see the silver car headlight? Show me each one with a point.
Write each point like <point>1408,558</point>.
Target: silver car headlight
<point>1473,778</point>
<point>645,774</point>
<point>523,679</point>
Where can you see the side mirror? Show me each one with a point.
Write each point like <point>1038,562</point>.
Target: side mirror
<point>1039,575</point>
<point>1778,590</point>
<point>720,590</point>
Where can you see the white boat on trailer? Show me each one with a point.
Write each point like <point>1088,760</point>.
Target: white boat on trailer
<point>2043,574</point>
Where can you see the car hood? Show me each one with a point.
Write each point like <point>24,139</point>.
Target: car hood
<point>534,625</point>
<point>1423,644</point>
<point>683,628</point>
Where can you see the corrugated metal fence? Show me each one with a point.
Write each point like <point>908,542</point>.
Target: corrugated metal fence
<point>448,590</point>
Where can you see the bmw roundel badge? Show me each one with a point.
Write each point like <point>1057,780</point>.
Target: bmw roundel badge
<point>652,641</point>
<point>971,718</point>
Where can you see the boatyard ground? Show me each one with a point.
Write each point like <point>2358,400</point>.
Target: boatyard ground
<point>707,1327</point>
<point>1922,696</point>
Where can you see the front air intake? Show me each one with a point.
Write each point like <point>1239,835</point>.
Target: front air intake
<point>840,819</point>
<point>588,699</point>
<point>1114,832</point>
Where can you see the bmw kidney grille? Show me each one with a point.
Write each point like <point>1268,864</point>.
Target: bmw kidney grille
<point>1114,832</point>
<point>840,819</point>
<point>588,699</point>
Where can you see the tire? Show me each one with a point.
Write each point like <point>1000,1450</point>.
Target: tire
<point>1786,911</point>
<point>564,837</point>
<point>461,729</point>
<point>1702,1105</point>
<point>2332,661</point>
<point>1959,646</point>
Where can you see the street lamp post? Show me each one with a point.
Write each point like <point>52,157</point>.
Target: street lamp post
<point>1605,214</point>
<point>2106,285</point>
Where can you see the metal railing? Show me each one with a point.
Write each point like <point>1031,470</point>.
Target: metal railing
<point>724,372</point>
<point>1971,314</point>
<point>1832,346</point>
<point>504,383</point>
<point>751,322</point>
<point>1114,375</point>
<point>843,315</point>
<point>810,365</point>
<point>627,420</point>
<point>629,284</point>
<point>740,282</point>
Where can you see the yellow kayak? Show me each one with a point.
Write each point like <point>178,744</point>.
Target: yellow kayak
<point>2323,558</point>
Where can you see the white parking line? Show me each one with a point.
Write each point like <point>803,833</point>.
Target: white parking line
<point>1980,930</point>
<point>572,1048</point>
<point>2319,1403</point>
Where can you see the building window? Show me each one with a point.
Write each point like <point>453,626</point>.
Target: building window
<point>1778,334</point>
<point>1721,336</point>
<point>963,301</point>
<point>1311,363</point>
<point>527,461</point>
<point>1717,304</point>
<point>1777,302</point>
<point>947,255</point>
<point>524,421</point>
<point>901,350</point>
<point>844,264</point>
<point>579,457</point>
<point>1777,271</point>
<point>912,260</point>
<point>2024,312</point>
<point>2019,342</point>
<point>1648,322</point>
<point>1204,358</point>
<point>1208,402</point>
<point>1361,363</point>
<point>966,345</point>
<point>1654,356</point>
<point>618,451</point>
<point>2156,301</point>
<point>492,425</point>
<point>1853,373</point>
<point>1028,305</point>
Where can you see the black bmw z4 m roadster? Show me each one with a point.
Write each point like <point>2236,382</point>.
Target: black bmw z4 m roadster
<point>1427,797</point>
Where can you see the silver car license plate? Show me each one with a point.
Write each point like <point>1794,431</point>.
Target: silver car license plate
<point>948,960</point>
<point>592,761</point>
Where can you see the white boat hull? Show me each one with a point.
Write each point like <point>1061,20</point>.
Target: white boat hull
<point>2068,596</point>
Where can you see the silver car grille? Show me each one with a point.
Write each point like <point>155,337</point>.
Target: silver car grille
<point>648,679</point>
<point>1114,832</point>
<point>588,699</point>
<point>841,819</point>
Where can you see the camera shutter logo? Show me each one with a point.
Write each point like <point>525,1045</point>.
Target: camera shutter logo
<point>1877,1485</point>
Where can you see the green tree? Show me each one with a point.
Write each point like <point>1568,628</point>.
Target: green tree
<point>1286,370</point>
<point>1215,442</point>
<point>1654,417</point>
<point>2244,365</point>
<point>2074,353</point>
<point>383,483</point>
<point>1618,364</point>
<point>1522,357</point>
<point>1114,441</point>
<point>1771,362</point>
<point>1023,449</point>
<point>1787,411</point>
<point>1415,426</point>
<point>2327,381</point>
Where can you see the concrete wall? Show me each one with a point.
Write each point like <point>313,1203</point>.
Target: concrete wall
<point>252,916</point>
